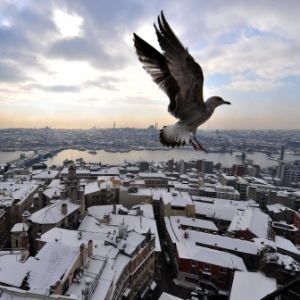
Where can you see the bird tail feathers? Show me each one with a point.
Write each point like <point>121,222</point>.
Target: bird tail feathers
<point>174,136</point>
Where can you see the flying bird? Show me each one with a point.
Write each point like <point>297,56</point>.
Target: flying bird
<point>181,78</point>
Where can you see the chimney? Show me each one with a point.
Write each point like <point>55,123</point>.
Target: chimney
<point>24,239</point>
<point>114,208</point>
<point>90,248</point>
<point>64,209</point>
<point>63,194</point>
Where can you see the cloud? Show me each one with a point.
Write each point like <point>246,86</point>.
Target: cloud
<point>81,52</point>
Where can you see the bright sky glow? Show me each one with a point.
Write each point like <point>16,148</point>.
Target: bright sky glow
<point>72,64</point>
<point>68,25</point>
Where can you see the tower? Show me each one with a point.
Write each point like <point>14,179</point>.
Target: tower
<point>280,164</point>
<point>72,188</point>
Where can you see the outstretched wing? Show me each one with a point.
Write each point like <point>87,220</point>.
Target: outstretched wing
<point>156,65</point>
<point>183,69</point>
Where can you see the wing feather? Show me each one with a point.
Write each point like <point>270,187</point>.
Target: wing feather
<point>156,65</point>
<point>187,73</point>
<point>175,71</point>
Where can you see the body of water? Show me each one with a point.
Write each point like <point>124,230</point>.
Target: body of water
<point>226,159</point>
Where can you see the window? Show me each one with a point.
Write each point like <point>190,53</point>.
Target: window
<point>223,270</point>
<point>193,263</point>
<point>222,279</point>
<point>206,267</point>
<point>206,277</point>
<point>193,280</point>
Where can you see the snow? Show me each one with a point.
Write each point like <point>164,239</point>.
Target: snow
<point>63,236</point>
<point>210,256</point>
<point>18,227</point>
<point>176,198</point>
<point>166,296</point>
<point>12,273</point>
<point>252,220</point>
<point>52,213</point>
<point>46,174</point>
<point>140,224</point>
<point>280,243</point>
<point>210,240</point>
<point>222,209</point>
<point>284,261</point>
<point>192,222</point>
<point>54,261</point>
<point>251,286</point>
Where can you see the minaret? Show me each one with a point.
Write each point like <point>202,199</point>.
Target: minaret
<point>280,164</point>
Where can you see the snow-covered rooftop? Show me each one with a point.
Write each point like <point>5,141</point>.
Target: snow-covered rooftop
<point>210,240</point>
<point>251,286</point>
<point>52,214</point>
<point>53,262</point>
<point>210,256</point>
<point>140,224</point>
<point>251,220</point>
<point>192,222</point>
<point>176,198</point>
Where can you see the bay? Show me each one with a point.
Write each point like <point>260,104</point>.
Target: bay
<point>115,158</point>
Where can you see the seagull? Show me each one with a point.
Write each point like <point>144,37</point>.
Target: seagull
<point>181,78</point>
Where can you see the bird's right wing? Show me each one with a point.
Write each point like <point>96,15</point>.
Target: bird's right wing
<point>187,73</point>
<point>155,64</point>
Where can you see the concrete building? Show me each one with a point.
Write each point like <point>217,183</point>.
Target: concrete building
<point>198,264</point>
<point>154,180</point>
<point>291,174</point>
<point>249,224</point>
<point>103,191</point>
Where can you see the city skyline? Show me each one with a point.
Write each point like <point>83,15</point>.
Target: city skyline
<point>73,64</point>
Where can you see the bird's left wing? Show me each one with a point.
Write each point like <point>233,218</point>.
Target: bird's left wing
<point>155,64</point>
<point>187,73</point>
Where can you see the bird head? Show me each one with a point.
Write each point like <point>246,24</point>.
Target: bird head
<point>216,101</point>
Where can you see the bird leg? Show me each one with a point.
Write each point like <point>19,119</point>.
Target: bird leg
<point>196,144</point>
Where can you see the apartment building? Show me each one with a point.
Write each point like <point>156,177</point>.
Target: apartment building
<point>249,224</point>
<point>201,265</point>
<point>291,174</point>
<point>154,180</point>
<point>15,198</point>
<point>103,191</point>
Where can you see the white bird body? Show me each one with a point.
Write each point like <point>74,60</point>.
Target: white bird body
<point>181,78</point>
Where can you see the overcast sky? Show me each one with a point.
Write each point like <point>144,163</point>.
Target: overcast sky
<point>72,64</point>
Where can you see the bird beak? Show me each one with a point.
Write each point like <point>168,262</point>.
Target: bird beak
<point>226,102</point>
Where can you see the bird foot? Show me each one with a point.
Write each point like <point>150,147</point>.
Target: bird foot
<point>198,146</point>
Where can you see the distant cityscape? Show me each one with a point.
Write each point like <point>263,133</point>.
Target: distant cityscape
<point>174,229</point>
<point>126,139</point>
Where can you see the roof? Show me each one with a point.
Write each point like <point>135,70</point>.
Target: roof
<point>152,175</point>
<point>210,256</point>
<point>140,224</point>
<point>54,261</point>
<point>52,214</point>
<point>18,227</point>
<point>166,296</point>
<point>277,208</point>
<point>176,198</point>
<point>63,236</point>
<point>50,174</point>
<point>210,240</point>
<point>192,222</point>
<point>252,220</point>
<point>12,273</point>
<point>251,286</point>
